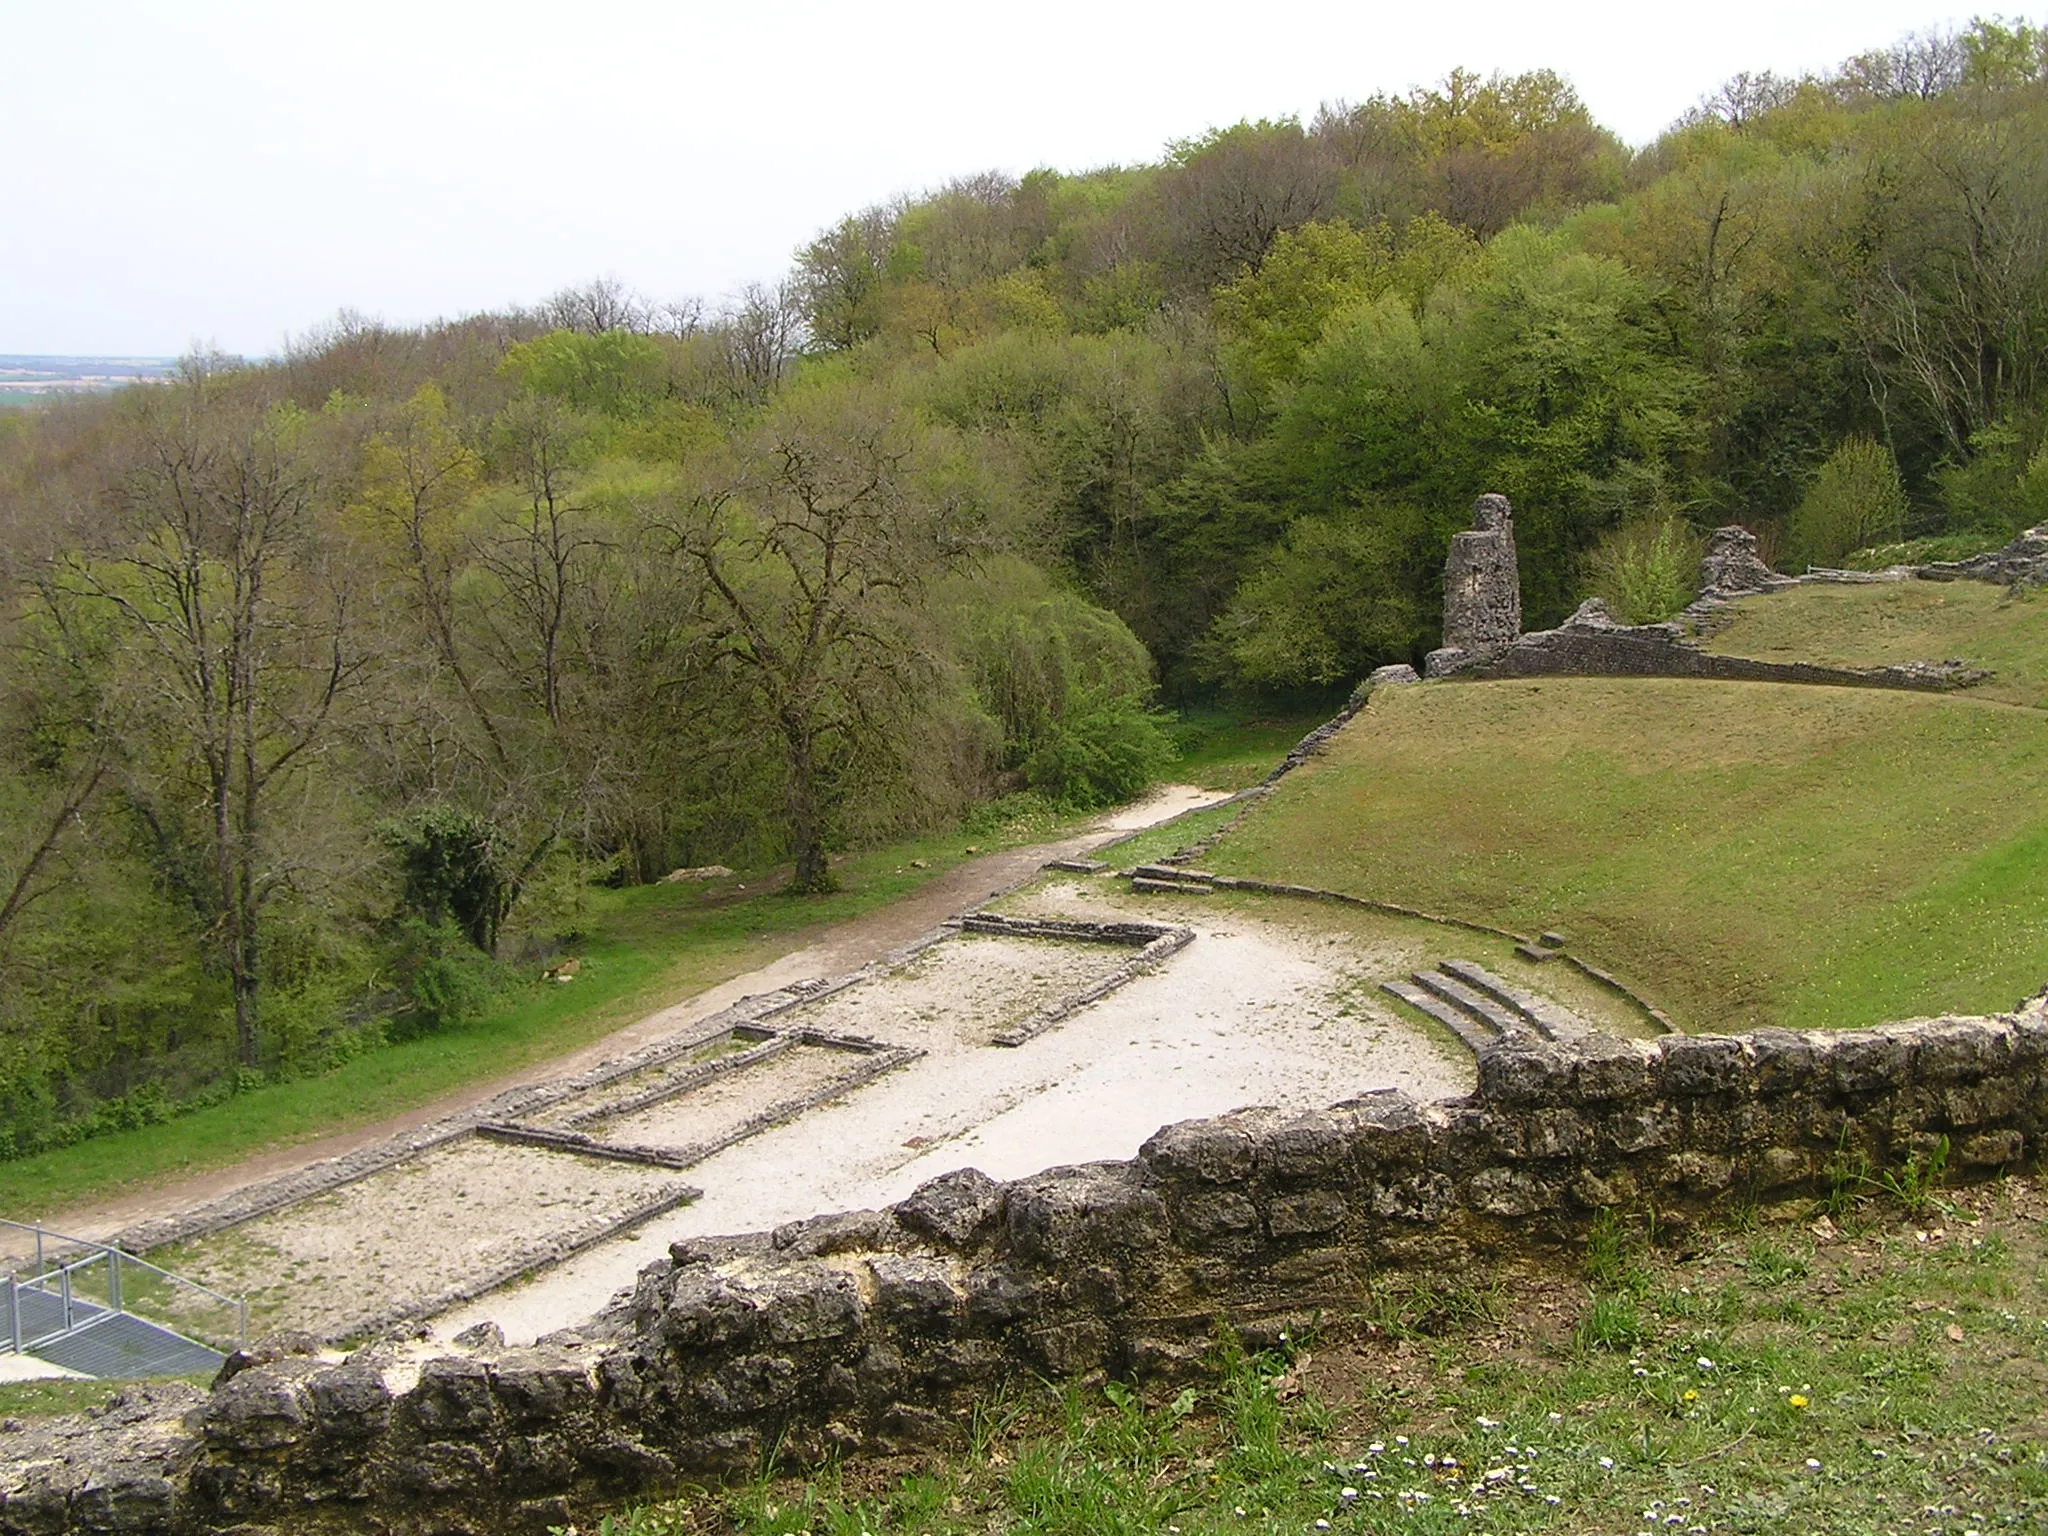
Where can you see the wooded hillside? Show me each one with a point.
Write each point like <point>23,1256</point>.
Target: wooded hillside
<point>331,683</point>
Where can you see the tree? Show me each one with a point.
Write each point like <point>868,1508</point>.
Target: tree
<point>240,650</point>
<point>1855,501</point>
<point>814,545</point>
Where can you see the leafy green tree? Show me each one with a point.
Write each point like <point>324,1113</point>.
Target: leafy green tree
<point>1856,500</point>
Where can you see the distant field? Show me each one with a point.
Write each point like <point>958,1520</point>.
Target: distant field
<point>1903,621</point>
<point>1745,854</point>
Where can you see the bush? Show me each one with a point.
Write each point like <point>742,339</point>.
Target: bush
<point>1646,571</point>
<point>1106,748</point>
<point>445,979</point>
<point>2004,486</point>
<point>1855,501</point>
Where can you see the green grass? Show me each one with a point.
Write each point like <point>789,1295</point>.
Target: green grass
<point>1227,751</point>
<point>1743,854</point>
<point>1974,621</point>
<point>648,946</point>
<point>1891,1379</point>
<point>49,1397</point>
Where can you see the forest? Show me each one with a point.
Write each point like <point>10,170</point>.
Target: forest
<point>332,684</point>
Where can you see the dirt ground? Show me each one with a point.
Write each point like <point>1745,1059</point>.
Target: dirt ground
<point>451,1215</point>
<point>1263,1008</point>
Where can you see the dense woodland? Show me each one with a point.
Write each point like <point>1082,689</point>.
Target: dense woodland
<point>333,685</point>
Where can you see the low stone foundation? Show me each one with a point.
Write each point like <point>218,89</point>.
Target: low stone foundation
<point>878,1330</point>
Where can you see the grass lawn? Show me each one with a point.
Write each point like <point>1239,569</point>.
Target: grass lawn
<point>1886,1375</point>
<point>1744,854</point>
<point>1227,751</point>
<point>1974,621</point>
<point>648,946</point>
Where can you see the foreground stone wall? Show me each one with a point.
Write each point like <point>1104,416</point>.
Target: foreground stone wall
<point>879,1330</point>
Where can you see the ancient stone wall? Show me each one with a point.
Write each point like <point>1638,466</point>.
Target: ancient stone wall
<point>879,1330</point>
<point>1591,644</point>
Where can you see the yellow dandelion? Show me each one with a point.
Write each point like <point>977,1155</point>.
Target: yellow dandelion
<point>1691,1396</point>
<point>1797,1399</point>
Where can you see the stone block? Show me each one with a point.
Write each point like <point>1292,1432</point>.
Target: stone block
<point>453,1398</point>
<point>914,1294</point>
<point>1693,1065</point>
<point>349,1402</point>
<point>1316,1146</point>
<point>1992,1149</point>
<point>1070,1214</point>
<point>1524,1075</point>
<point>1869,1061</point>
<point>998,1296</point>
<point>261,1409</point>
<point>956,1209</point>
<point>1218,1151</point>
<point>1785,1062</point>
<point>1317,1211</point>
<point>542,1385</point>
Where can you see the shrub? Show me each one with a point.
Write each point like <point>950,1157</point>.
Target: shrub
<point>1647,570</point>
<point>1105,748</point>
<point>1855,501</point>
<point>444,978</point>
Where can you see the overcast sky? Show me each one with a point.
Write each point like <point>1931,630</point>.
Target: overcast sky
<point>198,171</point>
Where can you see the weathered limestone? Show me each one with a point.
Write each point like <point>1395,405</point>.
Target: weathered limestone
<point>1591,644</point>
<point>2025,559</point>
<point>1482,581</point>
<point>1731,566</point>
<point>879,1330</point>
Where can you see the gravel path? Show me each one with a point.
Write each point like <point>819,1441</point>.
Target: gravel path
<point>1257,1010</point>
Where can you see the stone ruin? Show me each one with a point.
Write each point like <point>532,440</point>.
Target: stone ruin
<point>881,1330</point>
<point>1731,566</point>
<point>1483,616</point>
<point>2022,562</point>
<point>1482,585</point>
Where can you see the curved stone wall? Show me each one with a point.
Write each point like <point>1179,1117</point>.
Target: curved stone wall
<point>879,1330</point>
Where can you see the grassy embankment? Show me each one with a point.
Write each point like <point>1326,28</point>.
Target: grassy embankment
<point>1745,854</point>
<point>646,947</point>
<point>1883,1377</point>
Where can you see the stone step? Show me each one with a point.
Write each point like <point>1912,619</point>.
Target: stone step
<point>1475,1035</point>
<point>1173,872</point>
<point>1537,952</point>
<point>1077,866</point>
<point>1148,885</point>
<point>1552,1020</point>
<point>1490,1012</point>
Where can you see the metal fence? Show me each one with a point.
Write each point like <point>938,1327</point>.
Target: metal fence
<point>59,1286</point>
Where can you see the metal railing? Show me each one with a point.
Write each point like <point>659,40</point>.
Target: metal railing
<point>66,1294</point>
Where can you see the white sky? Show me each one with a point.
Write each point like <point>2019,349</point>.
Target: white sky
<point>181,171</point>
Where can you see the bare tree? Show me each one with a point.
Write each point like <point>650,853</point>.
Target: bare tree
<point>812,550</point>
<point>600,305</point>
<point>762,331</point>
<point>239,649</point>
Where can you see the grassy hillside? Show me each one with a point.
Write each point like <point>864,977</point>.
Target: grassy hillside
<point>1746,854</point>
<point>2004,630</point>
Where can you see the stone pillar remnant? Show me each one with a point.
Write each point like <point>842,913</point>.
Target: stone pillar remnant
<point>1482,582</point>
<point>1731,565</point>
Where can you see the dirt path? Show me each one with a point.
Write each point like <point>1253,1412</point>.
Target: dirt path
<point>1263,1008</point>
<point>826,951</point>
